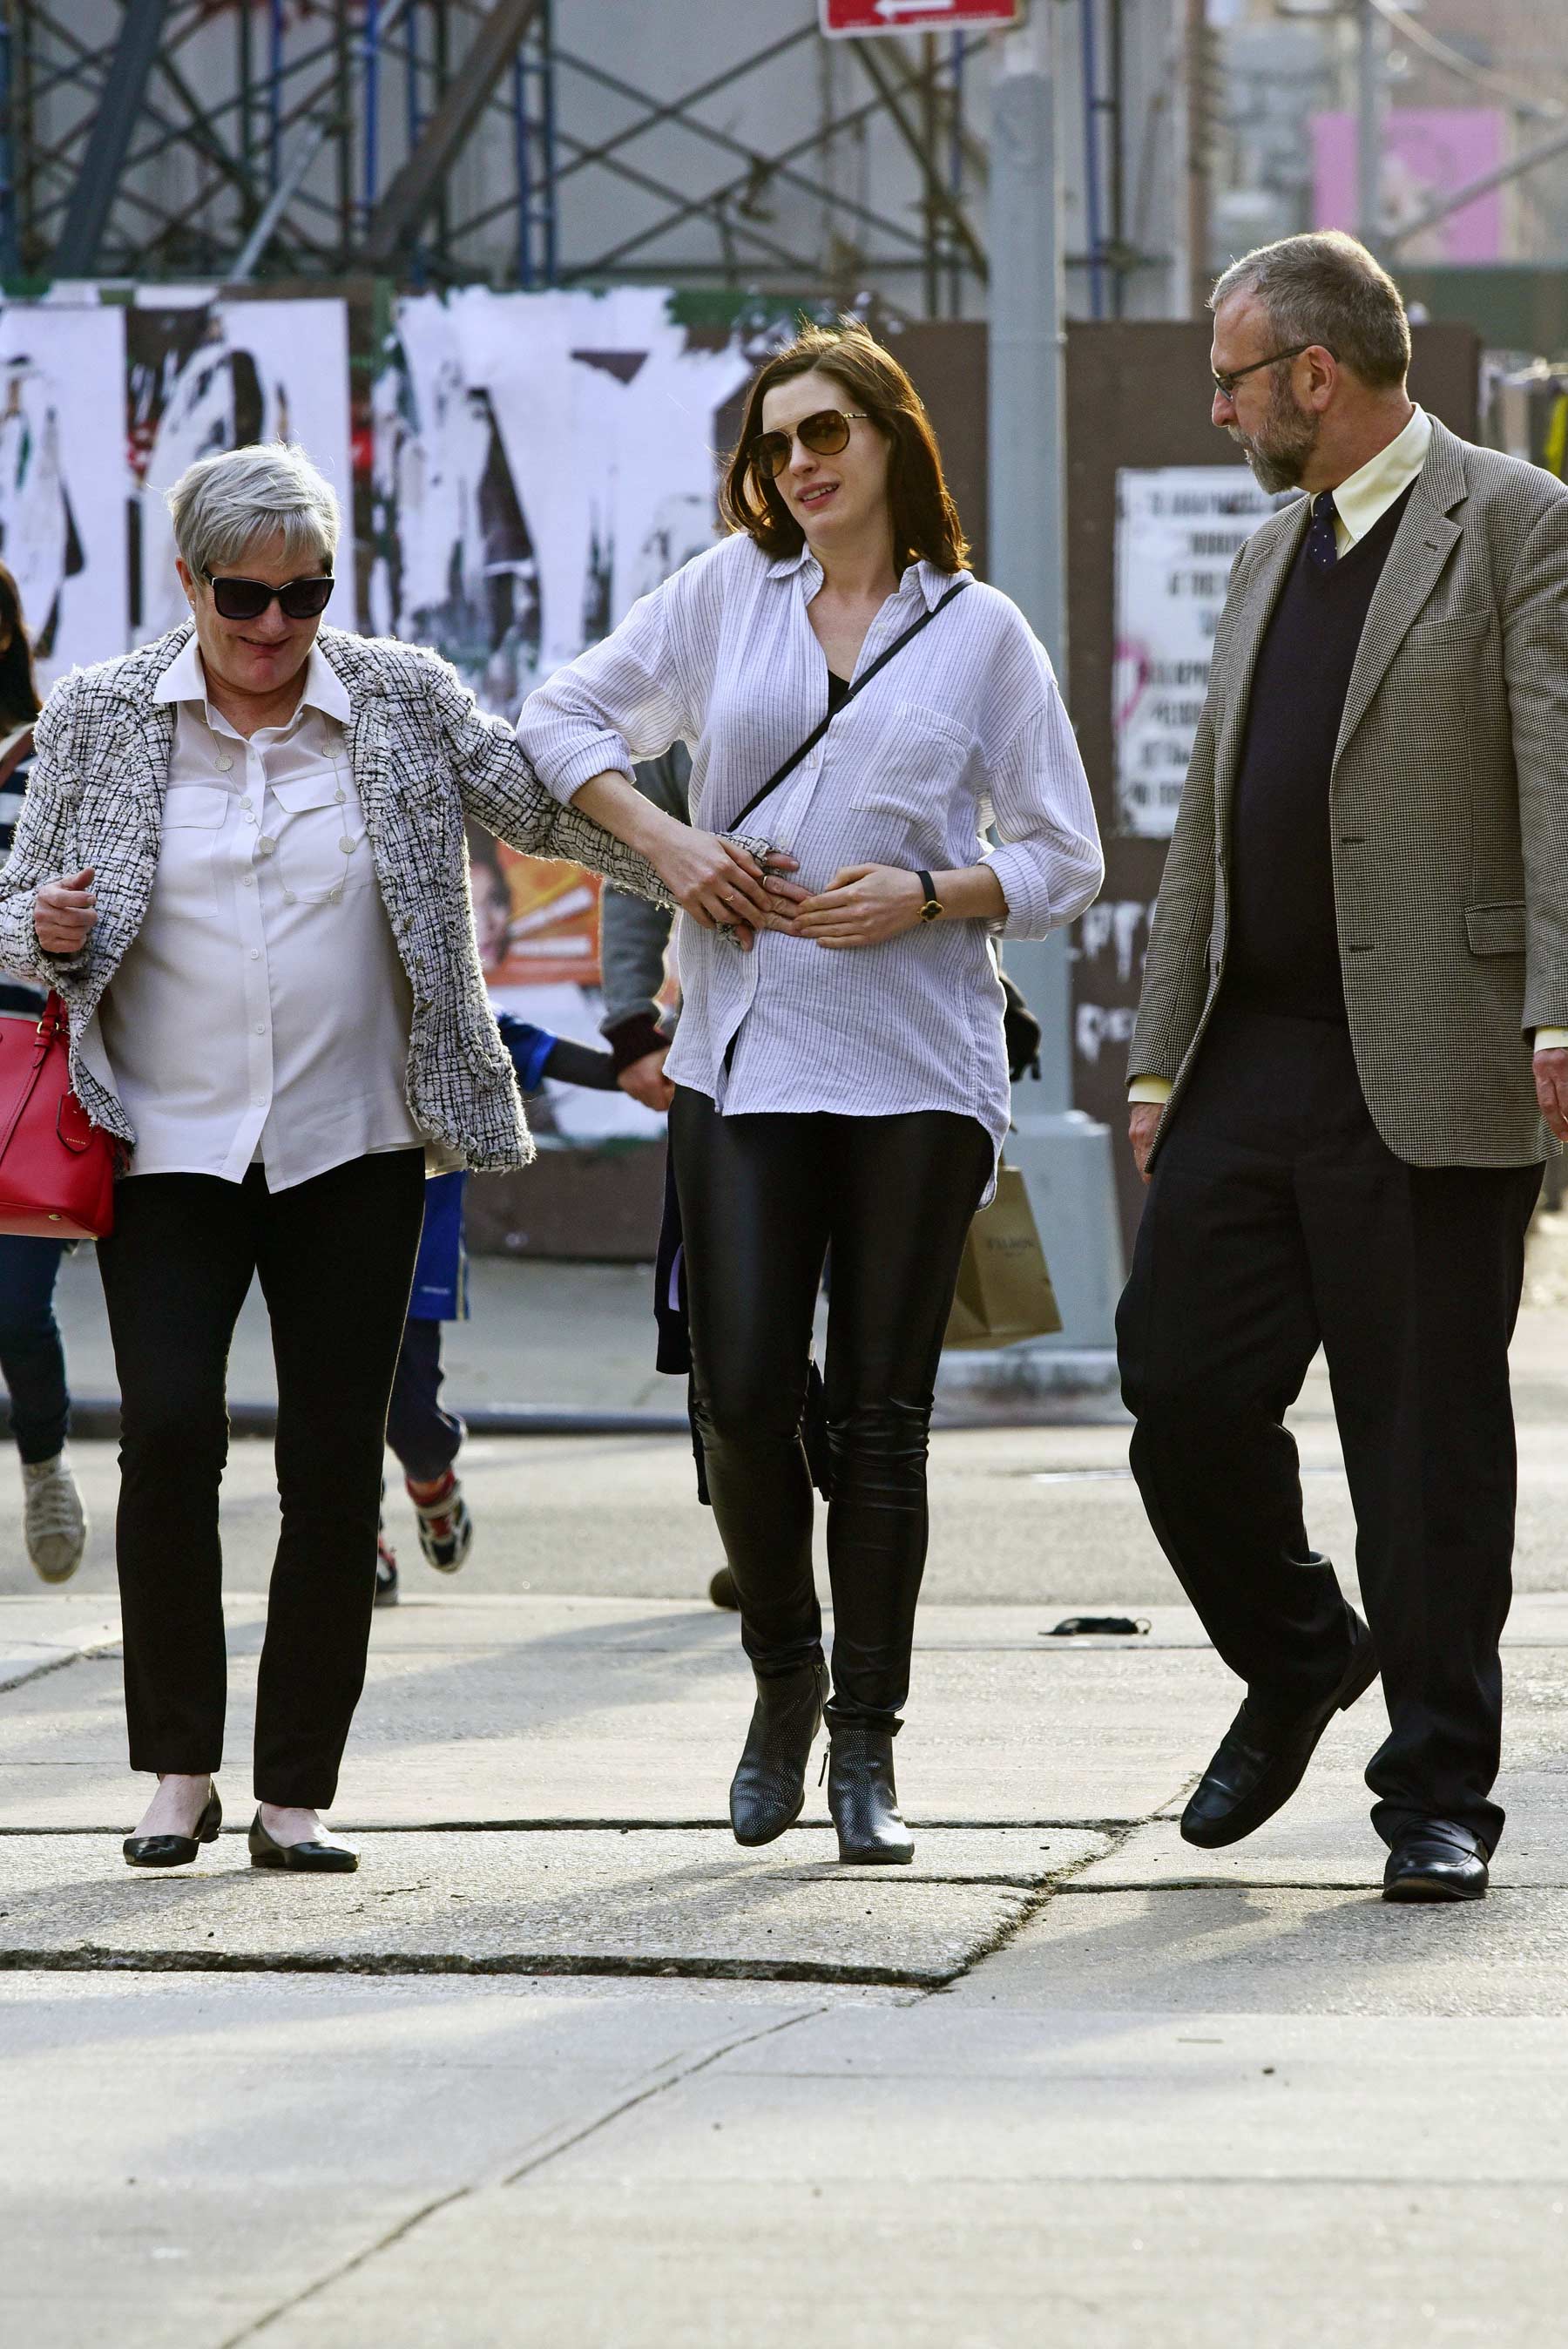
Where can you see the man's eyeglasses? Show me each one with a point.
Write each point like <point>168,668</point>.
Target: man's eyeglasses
<point>824,434</point>
<point>1226,382</point>
<point>247,599</point>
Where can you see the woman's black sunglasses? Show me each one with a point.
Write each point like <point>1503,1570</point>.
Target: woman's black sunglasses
<point>824,434</point>
<point>247,599</point>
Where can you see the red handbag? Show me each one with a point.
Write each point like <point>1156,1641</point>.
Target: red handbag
<point>57,1168</point>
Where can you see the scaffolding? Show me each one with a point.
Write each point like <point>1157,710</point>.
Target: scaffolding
<point>329,141</point>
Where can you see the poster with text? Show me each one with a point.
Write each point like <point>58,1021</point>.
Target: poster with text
<point>1178,531</point>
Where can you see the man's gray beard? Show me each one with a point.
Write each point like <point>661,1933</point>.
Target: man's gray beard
<point>1279,454</point>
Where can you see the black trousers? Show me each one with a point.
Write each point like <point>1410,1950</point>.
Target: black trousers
<point>335,1261</point>
<point>1278,1218</point>
<point>762,1198</point>
<point>426,1439</point>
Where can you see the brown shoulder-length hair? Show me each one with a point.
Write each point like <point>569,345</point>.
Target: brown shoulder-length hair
<point>19,700</point>
<point>925,524</point>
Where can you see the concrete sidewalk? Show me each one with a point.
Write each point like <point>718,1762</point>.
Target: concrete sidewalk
<point>561,2067</point>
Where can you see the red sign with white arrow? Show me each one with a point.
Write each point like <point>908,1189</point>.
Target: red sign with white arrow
<point>839,17</point>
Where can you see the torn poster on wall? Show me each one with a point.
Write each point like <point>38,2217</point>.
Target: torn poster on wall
<point>539,462</point>
<point>1178,531</point>
<point>63,478</point>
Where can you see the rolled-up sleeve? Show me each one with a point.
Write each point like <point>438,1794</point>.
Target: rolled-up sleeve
<point>620,702</point>
<point>1048,861</point>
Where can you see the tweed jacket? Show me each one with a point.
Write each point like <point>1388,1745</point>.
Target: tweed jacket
<point>423,757</point>
<point>1448,806</point>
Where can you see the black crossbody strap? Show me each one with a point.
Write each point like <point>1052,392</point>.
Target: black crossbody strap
<point>859,684</point>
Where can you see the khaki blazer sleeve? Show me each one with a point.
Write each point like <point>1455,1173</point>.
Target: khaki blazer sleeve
<point>1535,668</point>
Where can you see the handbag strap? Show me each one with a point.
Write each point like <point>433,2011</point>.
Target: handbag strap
<point>815,736</point>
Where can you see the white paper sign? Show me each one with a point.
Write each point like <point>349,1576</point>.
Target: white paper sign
<point>1178,530</point>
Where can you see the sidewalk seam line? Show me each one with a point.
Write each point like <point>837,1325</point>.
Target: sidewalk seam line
<point>674,2075</point>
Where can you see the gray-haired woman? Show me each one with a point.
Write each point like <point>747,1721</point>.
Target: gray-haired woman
<point>242,861</point>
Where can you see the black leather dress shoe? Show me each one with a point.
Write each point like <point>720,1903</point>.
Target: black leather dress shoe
<point>176,1851</point>
<point>863,1799</point>
<point>307,1858</point>
<point>768,1792</point>
<point>1437,1859</point>
<point>1260,1762</point>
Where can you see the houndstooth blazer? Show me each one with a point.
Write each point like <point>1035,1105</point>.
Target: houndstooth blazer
<point>423,756</point>
<point>1449,806</point>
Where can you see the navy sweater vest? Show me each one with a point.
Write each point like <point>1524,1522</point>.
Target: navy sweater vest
<point>1283,951</point>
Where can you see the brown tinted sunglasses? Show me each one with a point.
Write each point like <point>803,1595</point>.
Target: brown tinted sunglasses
<point>824,434</point>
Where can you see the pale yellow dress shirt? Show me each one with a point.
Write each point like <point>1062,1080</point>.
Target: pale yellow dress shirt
<point>1359,502</point>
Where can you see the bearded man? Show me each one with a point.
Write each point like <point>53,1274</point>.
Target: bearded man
<point>1350,1061</point>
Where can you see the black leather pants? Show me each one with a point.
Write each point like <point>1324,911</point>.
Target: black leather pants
<point>762,1199</point>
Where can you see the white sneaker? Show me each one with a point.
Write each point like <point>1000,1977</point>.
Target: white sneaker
<point>53,1522</point>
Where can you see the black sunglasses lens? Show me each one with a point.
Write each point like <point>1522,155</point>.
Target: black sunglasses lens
<point>826,432</point>
<point>301,599</point>
<point>770,453</point>
<point>241,599</point>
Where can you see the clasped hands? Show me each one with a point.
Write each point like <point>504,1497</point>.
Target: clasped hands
<point>720,884</point>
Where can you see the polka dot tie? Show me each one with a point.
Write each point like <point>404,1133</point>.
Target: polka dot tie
<point>1322,547</point>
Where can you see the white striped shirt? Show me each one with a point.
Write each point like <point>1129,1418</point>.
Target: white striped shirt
<point>963,730</point>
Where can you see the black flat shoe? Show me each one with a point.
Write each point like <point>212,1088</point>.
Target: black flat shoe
<point>306,1859</point>
<point>172,1850</point>
<point>1437,1859</point>
<point>1259,1763</point>
<point>863,1799</point>
<point>768,1792</point>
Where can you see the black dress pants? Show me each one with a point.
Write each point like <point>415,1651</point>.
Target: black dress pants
<point>762,1198</point>
<point>335,1261</point>
<point>1278,1218</point>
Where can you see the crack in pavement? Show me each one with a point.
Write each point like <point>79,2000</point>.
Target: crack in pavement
<point>665,2076</point>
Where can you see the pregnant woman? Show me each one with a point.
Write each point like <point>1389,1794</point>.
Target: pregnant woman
<point>844,1085</point>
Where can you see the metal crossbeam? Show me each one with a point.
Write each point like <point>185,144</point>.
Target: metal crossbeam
<point>124,89</point>
<point>415,187</point>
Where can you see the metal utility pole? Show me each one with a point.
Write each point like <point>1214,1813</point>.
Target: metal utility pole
<point>1197,71</point>
<point>1369,127</point>
<point>1065,1155</point>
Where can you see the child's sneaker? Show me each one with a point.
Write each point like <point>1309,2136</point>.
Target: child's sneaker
<point>53,1522</point>
<point>385,1573</point>
<point>445,1529</point>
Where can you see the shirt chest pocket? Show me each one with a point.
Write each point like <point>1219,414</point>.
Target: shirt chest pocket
<point>187,880</point>
<point>321,851</point>
<point>911,769</point>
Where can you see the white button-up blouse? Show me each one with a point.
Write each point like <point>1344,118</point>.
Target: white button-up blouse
<point>963,729</point>
<point>260,1013</point>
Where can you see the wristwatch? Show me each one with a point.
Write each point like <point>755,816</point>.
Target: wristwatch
<point>931,909</point>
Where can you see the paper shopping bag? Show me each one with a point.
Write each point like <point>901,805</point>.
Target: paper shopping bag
<point>1004,1291</point>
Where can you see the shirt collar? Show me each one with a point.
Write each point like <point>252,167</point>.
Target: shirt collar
<point>920,577</point>
<point>1370,491</point>
<point>186,680</point>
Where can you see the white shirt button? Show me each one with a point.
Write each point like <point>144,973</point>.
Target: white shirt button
<point>264,846</point>
<point>250,818</point>
<point>335,895</point>
<point>347,846</point>
<point>261,1027</point>
<point>225,763</point>
<point>249,880</point>
<point>255,953</point>
<point>245,802</point>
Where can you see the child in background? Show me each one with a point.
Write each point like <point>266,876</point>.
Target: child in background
<point>424,1439</point>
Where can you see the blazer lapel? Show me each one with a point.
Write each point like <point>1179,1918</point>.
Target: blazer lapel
<point>1422,545</point>
<point>1270,571</point>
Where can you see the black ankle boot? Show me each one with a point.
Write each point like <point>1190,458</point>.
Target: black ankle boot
<point>863,1798</point>
<point>768,1790</point>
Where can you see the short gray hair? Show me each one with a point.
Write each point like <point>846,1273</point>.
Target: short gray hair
<point>1327,288</point>
<point>223,505</point>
